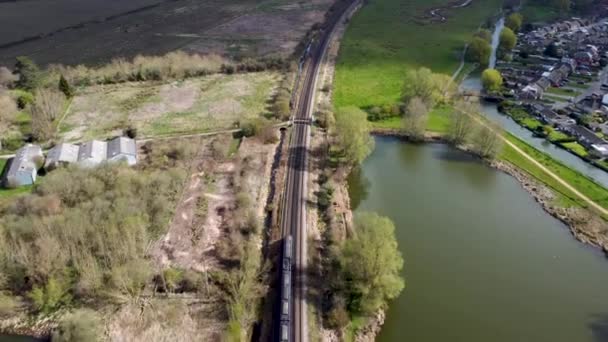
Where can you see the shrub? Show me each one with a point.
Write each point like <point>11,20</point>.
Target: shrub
<point>29,74</point>
<point>24,98</point>
<point>80,326</point>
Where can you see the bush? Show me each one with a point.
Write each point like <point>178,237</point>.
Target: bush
<point>80,326</point>
<point>24,99</point>
<point>130,132</point>
<point>29,74</point>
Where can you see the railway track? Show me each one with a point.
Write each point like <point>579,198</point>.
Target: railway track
<point>294,327</point>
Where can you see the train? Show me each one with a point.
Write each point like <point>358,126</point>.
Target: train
<point>286,296</point>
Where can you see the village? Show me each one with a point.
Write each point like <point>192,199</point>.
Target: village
<point>558,77</point>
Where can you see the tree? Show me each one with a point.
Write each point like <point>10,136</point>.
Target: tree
<point>460,125</point>
<point>370,264</point>
<point>484,34</point>
<point>29,74</point>
<point>562,5</point>
<point>485,142</point>
<point>514,21</point>
<point>479,51</point>
<point>65,87</point>
<point>47,107</point>
<point>552,50</point>
<point>508,39</point>
<point>491,79</point>
<point>82,325</point>
<point>352,132</point>
<point>419,83</point>
<point>415,118</point>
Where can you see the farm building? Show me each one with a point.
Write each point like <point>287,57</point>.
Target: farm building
<point>92,153</point>
<point>122,149</point>
<point>61,154</point>
<point>24,167</point>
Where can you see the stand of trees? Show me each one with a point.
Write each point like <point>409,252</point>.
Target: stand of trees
<point>84,235</point>
<point>491,80</point>
<point>352,132</point>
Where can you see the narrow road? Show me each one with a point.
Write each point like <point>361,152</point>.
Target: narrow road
<point>293,220</point>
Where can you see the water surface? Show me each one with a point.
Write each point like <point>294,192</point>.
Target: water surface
<point>483,261</point>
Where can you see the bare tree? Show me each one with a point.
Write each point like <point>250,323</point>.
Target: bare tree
<point>416,116</point>
<point>47,107</point>
<point>485,142</point>
<point>461,123</point>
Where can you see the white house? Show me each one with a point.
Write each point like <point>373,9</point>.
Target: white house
<point>24,166</point>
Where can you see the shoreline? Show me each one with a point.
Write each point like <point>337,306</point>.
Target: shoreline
<point>585,226</point>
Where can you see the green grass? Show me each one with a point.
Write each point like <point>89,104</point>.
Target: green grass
<point>575,148</point>
<point>531,123</point>
<point>538,13</point>
<point>578,86</point>
<point>562,91</point>
<point>554,98</point>
<point>387,37</point>
<point>555,136</point>
<point>8,193</point>
<point>438,121</point>
<point>565,197</point>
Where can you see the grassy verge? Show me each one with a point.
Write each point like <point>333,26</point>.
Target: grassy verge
<point>575,148</point>
<point>438,121</point>
<point>563,91</point>
<point>386,38</point>
<point>565,197</point>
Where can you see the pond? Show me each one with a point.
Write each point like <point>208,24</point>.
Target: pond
<point>483,261</point>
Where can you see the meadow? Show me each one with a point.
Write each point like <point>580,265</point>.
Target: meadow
<point>388,37</point>
<point>194,105</point>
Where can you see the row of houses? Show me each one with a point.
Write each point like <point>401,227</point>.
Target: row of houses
<point>23,169</point>
<point>583,135</point>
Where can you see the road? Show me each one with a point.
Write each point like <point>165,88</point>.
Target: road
<point>295,199</point>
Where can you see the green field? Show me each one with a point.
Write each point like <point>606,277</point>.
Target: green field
<point>386,37</point>
<point>538,13</point>
<point>438,121</point>
<point>583,184</point>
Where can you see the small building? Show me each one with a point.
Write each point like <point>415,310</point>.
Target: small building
<point>585,136</point>
<point>92,153</point>
<point>61,154</point>
<point>600,151</point>
<point>122,149</point>
<point>24,166</point>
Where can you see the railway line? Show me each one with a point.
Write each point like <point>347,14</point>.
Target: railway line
<point>293,318</point>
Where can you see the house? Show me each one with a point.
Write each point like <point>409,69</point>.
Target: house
<point>584,58</point>
<point>600,151</point>
<point>550,117</point>
<point>61,154</point>
<point>122,149</point>
<point>92,153</point>
<point>24,166</point>
<point>531,92</point>
<point>585,136</point>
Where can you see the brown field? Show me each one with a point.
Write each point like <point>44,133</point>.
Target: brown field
<point>95,31</point>
<point>195,105</point>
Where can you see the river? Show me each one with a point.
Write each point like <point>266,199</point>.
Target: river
<point>483,261</point>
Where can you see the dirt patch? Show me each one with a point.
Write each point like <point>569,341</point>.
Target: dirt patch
<point>179,97</point>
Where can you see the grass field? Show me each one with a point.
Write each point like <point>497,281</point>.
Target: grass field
<point>583,184</point>
<point>386,37</point>
<point>538,13</point>
<point>196,105</point>
<point>438,121</point>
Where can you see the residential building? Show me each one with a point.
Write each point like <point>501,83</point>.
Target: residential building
<point>92,153</point>
<point>61,154</point>
<point>122,149</point>
<point>24,166</point>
